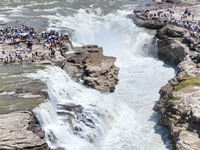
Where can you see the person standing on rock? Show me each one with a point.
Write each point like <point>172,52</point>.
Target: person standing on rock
<point>36,54</point>
<point>29,45</point>
<point>192,16</point>
<point>53,53</point>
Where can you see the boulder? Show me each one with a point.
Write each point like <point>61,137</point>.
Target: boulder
<point>96,70</point>
<point>19,130</point>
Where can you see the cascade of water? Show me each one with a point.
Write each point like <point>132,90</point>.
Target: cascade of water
<point>121,120</point>
<point>85,114</point>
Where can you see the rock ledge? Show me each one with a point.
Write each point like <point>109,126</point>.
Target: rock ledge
<point>88,64</point>
<point>19,130</point>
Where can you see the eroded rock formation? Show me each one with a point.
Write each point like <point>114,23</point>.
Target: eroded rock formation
<point>96,70</point>
<point>179,100</point>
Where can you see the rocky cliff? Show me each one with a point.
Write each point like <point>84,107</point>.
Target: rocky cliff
<point>179,100</point>
<point>179,103</point>
<point>88,64</point>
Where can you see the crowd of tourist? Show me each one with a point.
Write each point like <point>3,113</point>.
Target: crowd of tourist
<point>184,19</point>
<point>16,44</point>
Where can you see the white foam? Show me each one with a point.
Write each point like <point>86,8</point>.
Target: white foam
<point>125,118</point>
<point>7,93</point>
<point>100,110</point>
<point>33,3</point>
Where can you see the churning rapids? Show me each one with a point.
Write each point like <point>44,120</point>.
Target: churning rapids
<point>123,120</point>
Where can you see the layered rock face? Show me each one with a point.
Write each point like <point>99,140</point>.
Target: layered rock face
<point>96,70</point>
<point>170,46</point>
<point>179,109</point>
<point>19,130</point>
<point>179,103</point>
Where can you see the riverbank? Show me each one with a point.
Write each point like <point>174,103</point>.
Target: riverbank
<point>178,44</point>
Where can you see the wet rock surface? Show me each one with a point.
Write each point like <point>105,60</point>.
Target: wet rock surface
<point>72,107</point>
<point>79,119</point>
<point>19,130</point>
<point>93,68</point>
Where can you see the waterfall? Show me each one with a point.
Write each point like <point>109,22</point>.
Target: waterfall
<point>79,118</point>
<point>74,113</point>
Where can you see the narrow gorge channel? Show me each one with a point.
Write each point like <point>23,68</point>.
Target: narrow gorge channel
<point>120,120</point>
<point>78,118</point>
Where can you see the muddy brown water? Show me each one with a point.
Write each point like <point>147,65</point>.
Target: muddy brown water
<point>12,81</point>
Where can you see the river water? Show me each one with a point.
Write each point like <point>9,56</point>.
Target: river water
<point>123,120</point>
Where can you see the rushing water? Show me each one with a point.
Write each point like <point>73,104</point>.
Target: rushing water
<point>123,120</point>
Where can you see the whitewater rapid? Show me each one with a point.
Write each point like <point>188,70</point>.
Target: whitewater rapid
<point>123,120</point>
